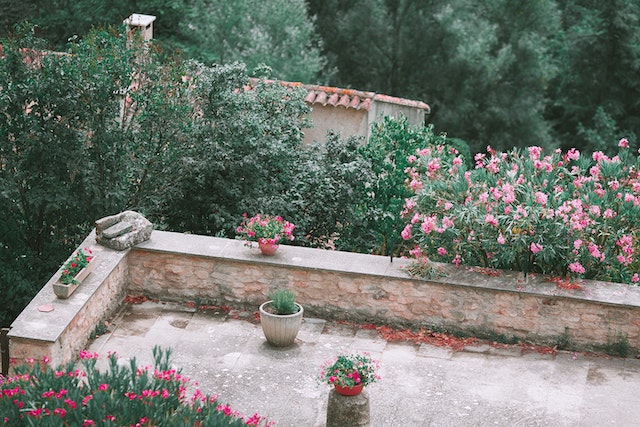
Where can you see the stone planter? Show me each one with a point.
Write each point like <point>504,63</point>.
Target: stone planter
<point>280,330</point>
<point>63,291</point>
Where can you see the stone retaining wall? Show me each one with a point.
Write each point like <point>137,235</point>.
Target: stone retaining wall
<point>62,332</point>
<point>368,288</point>
<point>329,284</point>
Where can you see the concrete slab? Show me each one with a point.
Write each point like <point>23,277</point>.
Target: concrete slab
<point>421,384</point>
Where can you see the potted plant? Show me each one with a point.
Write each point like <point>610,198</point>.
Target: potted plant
<point>267,230</point>
<point>350,373</point>
<point>74,271</point>
<point>280,318</point>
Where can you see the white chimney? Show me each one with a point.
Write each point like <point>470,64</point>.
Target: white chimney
<point>138,22</point>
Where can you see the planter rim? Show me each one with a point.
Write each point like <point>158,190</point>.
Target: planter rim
<point>262,310</point>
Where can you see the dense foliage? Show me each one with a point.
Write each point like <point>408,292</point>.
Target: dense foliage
<point>502,73</point>
<point>122,395</point>
<point>108,126</point>
<point>112,125</point>
<point>559,214</point>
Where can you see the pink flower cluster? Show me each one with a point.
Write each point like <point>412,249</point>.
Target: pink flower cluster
<point>265,229</point>
<point>553,213</point>
<point>129,396</point>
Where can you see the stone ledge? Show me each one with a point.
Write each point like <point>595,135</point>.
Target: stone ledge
<point>45,332</point>
<point>330,284</point>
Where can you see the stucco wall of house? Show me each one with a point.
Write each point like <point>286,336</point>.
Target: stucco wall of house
<point>380,109</point>
<point>347,121</point>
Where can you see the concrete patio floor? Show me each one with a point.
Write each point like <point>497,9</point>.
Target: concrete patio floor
<point>422,385</point>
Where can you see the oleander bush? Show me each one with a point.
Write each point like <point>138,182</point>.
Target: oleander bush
<point>559,213</point>
<point>123,395</point>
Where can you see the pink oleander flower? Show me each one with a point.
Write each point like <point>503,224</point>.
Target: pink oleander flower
<point>576,267</point>
<point>541,198</point>
<point>573,154</point>
<point>457,260</point>
<point>535,152</point>
<point>491,220</point>
<point>428,224</point>
<point>623,143</point>
<point>406,232</point>
<point>535,248</point>
<point>442,251</point>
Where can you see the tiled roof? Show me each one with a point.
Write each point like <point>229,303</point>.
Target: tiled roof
<point>351,98</point>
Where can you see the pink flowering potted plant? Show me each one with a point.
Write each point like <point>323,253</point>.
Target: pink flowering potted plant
<point>267,230</point>
<point>74,271</point>
<point>350,373</point>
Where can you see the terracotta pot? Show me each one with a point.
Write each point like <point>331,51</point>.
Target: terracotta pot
<point>63,291</point>
<point>349,391</point>
<point>280,330</point>
<point>268,248</point>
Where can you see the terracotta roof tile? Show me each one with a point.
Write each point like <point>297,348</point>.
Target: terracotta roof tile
<point>333,99</point>
<point>350,98</point>
<point>344,101</point>
<point>321,98</point>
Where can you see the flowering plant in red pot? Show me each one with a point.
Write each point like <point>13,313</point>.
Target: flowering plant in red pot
<point>267,230</point>
<point>74,265</point>
<point>349,373</point>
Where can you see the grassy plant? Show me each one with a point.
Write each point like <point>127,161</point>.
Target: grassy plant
<point>283,302</point>
<point>618,345</point>
<point>101,329</point>
<point>563,342</point>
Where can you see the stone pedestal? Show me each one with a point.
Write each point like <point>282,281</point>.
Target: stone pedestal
<point>348,411</point>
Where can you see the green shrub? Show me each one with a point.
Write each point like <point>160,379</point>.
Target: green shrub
<point>39,394</point>
<point>389,149</point>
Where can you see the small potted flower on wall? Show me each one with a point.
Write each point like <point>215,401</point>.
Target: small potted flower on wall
<point>280,318</point>
<point>350,373</point>
<point>74,271</point>
<point>267,230</point>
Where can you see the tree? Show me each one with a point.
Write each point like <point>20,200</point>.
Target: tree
<point>483,67</point>
<point>276,33</point>
<point>595,95</point>
<point>67,154</point>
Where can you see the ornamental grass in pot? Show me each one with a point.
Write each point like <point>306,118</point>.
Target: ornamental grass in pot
<point>280,318</point>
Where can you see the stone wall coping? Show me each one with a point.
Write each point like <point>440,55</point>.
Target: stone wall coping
<point>354,263</point>
<point>287,255</point>
<point>34,324</point>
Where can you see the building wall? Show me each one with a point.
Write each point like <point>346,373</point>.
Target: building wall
<point>352,122</point>
<point>347,121</point>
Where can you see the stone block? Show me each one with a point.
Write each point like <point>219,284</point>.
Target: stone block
<point>348,411</point>
<point>123,230</point>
